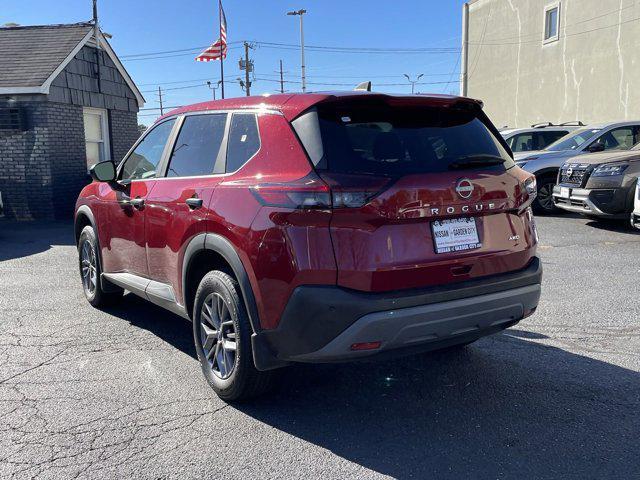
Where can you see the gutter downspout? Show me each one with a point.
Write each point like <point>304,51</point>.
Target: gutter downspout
<point>464,53</point>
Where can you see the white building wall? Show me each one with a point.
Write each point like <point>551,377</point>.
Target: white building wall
<point>591,73</point>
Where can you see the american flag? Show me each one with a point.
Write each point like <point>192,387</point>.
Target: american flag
<point>218,49</point>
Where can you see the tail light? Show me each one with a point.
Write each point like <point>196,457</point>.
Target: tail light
<point>309,192</point>
<point>354,191</point>
<point>312,192</point>
<point>530,190</point>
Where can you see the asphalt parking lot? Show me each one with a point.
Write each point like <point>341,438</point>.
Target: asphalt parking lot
<point>104,394</point>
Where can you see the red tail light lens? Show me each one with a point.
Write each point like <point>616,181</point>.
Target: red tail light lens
<point>307,193</point>
<point>530,189</point>
<point>312,192</point>
<point>366,346</point>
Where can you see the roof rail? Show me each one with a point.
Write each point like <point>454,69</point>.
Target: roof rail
<point>572,123</point>
<point>542,125</point>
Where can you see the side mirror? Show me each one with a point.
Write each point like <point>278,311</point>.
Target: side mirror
<point>596,147</point>
<point>103,171</point>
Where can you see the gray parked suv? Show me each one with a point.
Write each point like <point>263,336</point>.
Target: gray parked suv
<point>544,164</point>
<point>599,185</point>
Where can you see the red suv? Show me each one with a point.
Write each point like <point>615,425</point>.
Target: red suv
<point>315,228</point>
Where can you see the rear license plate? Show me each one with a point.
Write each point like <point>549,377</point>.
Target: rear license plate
<point>455,235</point>
<point>565,192</point>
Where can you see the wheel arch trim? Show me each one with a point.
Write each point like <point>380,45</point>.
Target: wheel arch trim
<point>85,211</point>
<point>547,171</point>
<point>223,247</point>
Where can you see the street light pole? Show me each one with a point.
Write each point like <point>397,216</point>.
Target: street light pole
<point>214,88</point>
<point>300,13</point>
<point>413,82</point>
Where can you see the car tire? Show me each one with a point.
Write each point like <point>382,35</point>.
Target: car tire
<point>543,203</point>
<point>222,336</point>
<point>91,270</point>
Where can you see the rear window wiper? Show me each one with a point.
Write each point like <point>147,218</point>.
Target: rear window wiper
<point>476,161</point>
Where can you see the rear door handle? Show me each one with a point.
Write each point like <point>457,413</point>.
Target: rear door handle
<point>137,203</point>
<point>194,202</point>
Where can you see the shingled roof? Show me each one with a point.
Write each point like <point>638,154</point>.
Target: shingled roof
<point>29,55</point>
<point>32,56</point>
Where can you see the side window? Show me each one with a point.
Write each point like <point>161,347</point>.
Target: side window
<point>244,140</point>
<point>622,138</point>
<point>522,142</point>
<point>197,146</point>
<point>143,161</point>
<point>547,138</point>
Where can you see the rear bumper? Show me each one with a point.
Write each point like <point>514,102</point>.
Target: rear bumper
<point>321,323</point>
<point>609,203</point>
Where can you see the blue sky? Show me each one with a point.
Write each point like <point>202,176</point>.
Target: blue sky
<point>164,25</point>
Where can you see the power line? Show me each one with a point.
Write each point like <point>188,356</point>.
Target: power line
<point>351,84</point>
<point>277,76</point>
<point>290,46</point>
<point>170,56</point>
<point>172,51</point>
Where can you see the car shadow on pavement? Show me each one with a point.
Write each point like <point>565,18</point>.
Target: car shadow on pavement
<point>21,239</point>
<point>505,407</point>
<point>167,326</point>
<point>617,226</point>
<point>508,406</point>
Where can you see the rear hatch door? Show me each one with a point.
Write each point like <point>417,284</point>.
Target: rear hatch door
<point>422,195</point>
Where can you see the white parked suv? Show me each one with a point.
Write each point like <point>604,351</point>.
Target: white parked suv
<point>635,215</point>
<point>538,136</point>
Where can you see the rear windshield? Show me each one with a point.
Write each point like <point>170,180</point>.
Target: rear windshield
<point>401,140</point>
<point>574,140</point>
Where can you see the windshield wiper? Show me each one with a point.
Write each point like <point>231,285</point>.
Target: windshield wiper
<point>476,161</point>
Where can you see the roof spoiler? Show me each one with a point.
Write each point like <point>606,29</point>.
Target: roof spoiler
<point>363,87</point>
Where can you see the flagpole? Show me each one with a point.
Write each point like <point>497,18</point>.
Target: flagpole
<point>221,47</point>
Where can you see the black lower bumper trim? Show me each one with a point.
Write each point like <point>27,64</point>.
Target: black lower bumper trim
<point>315,315</point>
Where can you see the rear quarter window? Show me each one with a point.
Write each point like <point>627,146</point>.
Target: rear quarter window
<point>244,140</point>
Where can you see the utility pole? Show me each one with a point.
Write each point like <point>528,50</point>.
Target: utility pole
<point>246,68</point>
<point>300,13</point>
<point>96,33</point>
<point>281,78</point>
<point>160,97</point>
<point>95,18</point>
<point>413,82</point>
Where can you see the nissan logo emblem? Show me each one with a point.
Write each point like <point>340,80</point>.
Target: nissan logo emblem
<point>569,171</point>
<point>464,188</point>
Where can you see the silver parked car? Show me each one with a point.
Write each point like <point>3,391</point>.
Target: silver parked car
<point>538,136</point>
<point>544,164</point>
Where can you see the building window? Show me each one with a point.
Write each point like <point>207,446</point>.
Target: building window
<point>96,135</point>
<point>551,23</point>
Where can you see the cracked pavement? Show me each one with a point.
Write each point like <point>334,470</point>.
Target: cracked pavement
<point>86,393</point>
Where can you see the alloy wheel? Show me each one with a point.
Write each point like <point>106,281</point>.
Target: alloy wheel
<point>545,197</point>
<point>218,335</point>
<point>89,268</point>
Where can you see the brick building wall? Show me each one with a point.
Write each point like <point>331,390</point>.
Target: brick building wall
<point>43,166</point>
<point>123,127</point>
